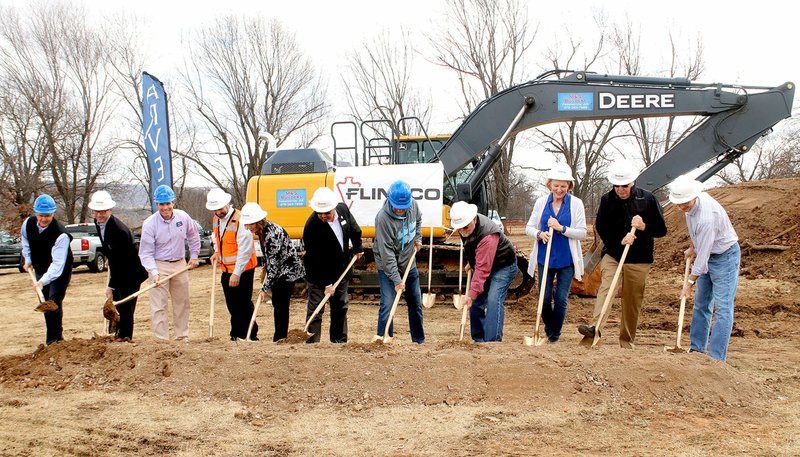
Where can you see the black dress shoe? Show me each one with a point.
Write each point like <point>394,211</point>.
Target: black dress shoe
<point>586,330</point>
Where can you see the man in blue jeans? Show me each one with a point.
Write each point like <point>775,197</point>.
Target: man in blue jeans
<point>715,248</point>
<point>494,261</point>
<point>397,240</point>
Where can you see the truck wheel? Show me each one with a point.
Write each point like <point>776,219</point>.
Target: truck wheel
<point>99,263</point>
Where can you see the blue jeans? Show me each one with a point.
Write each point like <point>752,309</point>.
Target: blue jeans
<point>488,311</point>
<point>553,313</point>
<point>413,302</point>
<point>715,288</point>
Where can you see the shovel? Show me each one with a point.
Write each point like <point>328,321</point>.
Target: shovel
<point>213,291</point>
<point>464,309</point>
<point>253,318</point>
<point>44,305</point>
<point>110,307</point>
<point>328,296</point>
<point>612,291</point>
<point>386,337</point>
<point>678,348</point>
<point>536,340</point>
<point>429,299</point>
<point>457,298</point>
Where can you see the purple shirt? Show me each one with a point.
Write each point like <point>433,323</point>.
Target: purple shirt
<point>164,239</point>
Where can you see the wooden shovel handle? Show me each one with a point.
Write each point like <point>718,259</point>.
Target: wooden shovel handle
<point>253,317</point>
<point>611,291</point>
<point>150,286</point>
<point>38,290</point>
<point>211,307</point>
<point>328,296</point>
<point>464,309</point>
<point>683,301</point>
<point>411,262</point>
<point>542,279</point>
<point>430,261</point>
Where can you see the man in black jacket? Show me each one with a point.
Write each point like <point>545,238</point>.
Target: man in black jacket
<point>126,273</point>
<point>622,208</point>
<point>331,235</point>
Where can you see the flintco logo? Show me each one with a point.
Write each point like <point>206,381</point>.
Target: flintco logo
<point>379,193</point>
<point>636,101</point>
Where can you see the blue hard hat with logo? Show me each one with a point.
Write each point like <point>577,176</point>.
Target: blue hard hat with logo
<point>44,204</point>
<point>400,195</point>
<point>163,194</point>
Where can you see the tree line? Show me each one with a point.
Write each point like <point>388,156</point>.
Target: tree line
<point>71,102</point>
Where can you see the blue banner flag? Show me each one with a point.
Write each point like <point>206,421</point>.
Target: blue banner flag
<point>155,122</point>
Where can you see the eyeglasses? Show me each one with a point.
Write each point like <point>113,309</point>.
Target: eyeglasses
<point>324,213</point>
<point>622,187</point>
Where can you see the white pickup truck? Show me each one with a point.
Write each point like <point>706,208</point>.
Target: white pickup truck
<point>86,247</point>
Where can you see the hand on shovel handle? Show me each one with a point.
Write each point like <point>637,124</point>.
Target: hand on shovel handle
<point>44,305</point>
<point>612,291</point>
<point>330,291</point>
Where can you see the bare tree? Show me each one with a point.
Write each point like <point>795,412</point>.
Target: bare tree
<point>775,156</point>
<point>583,145</point>
<point>56,62</point>
<point>246,78</point>
<point>484,46</point>
<point>655,136</point>
<point>379,82</point>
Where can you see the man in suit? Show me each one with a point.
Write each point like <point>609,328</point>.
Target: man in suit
<point>126,273</point>
<point>331,236</point>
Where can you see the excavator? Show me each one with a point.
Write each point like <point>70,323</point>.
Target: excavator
<point>734,117</point>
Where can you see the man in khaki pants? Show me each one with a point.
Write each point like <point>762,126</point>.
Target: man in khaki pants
<point>622,208</point>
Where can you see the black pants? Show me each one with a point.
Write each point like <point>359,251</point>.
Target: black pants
<point>55,291</point>
<point>239,300</point>
<point>281,296</point>
<point>338,308</point>
<point>126,311</point>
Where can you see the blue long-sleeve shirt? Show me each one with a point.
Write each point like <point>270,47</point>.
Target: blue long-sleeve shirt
<point>58,253</point>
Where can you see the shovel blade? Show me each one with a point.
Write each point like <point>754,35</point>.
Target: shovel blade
<point>527,340</point>
<point>46,306</point>
<point>676,349</point>
<point>457,301</point>
<point>428,300</point>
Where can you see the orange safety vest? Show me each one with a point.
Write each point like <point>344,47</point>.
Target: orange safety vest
<point>228,248</point>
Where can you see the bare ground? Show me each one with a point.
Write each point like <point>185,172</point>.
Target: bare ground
<point>90,396</point>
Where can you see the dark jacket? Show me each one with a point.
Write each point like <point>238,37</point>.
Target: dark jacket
<point>614,222</point>
<point>324,259</point>
<point>125,269</point>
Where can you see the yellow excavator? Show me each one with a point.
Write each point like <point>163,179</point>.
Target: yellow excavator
<point>736,116</point>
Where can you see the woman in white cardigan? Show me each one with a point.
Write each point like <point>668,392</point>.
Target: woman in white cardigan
<point>565,214</point>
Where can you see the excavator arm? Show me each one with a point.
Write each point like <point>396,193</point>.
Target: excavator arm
<point>736,116</point>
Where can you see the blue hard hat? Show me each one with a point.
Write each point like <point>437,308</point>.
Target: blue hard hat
<point>44,204</point>
<point>400,195</point>
<point>163,194</point>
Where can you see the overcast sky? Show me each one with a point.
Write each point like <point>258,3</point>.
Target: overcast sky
<point>753,46</point>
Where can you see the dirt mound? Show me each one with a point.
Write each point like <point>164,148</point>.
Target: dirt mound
<point>761,213</point>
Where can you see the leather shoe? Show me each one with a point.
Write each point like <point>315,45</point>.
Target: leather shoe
<point>586,330</point>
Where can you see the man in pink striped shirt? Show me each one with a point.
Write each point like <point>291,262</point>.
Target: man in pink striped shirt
<point>162,250</point>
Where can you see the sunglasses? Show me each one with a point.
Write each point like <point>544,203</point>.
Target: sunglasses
<point>322,213</point>
<point>622,187</point>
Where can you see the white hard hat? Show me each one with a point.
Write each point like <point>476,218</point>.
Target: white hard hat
<point>252,213</point>
<point>217,199</point>
<point>101,201</point>
<point>560,172</point>
<point>684,189</point>
<point>461,214</point>
<point>621,173</point>
<point>323,200</point>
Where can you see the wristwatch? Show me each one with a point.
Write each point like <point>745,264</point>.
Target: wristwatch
<point>691,281</point>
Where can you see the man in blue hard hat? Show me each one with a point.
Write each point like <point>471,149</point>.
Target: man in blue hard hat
<point>162,251</point>
<point>45,246</point>
<point>398,237</point>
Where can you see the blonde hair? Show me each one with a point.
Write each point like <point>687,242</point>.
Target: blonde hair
<point>570,184</point>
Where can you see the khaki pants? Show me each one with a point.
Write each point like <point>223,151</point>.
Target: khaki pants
<point>633,278</point>
<point>178,289</point>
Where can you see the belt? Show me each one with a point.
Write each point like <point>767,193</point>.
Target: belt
<point>170,261</point>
